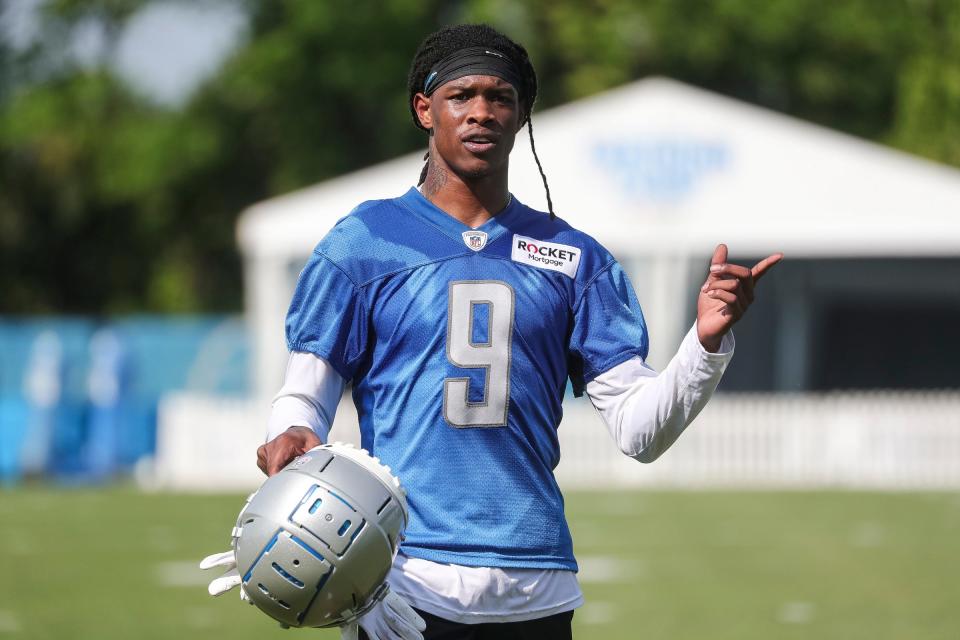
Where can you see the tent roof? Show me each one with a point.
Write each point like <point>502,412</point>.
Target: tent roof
<point>657,166</point>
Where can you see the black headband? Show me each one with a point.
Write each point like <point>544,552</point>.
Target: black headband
<point>481,61</point>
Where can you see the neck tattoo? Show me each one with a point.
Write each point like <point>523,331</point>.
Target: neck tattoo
<point>436,179</point>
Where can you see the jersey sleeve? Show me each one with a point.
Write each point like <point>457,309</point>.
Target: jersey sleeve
<point>608,327</point>
<point>328,316</point>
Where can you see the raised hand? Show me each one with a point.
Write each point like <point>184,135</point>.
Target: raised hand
<point>726,295</point>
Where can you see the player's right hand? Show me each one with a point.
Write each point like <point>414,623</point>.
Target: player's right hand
<point>274,456</point>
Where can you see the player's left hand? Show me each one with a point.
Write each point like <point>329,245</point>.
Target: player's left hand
<point>726,295</point>
<point>391,619</point>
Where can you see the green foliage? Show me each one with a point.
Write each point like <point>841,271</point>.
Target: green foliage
<point>87,213</point>
<point>831,62</point>
<point>927,118</point>
<point>110,204</point>
<point>319,89</point>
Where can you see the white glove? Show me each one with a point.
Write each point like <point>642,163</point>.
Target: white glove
<point>229,579</point>
<point>391,619</point>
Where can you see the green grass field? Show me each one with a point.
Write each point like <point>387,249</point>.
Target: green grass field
<point>104,564</point>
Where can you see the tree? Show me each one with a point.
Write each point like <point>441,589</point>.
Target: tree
<point>927,116</point>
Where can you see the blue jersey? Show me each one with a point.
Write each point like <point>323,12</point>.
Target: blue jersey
<point>459,343</point>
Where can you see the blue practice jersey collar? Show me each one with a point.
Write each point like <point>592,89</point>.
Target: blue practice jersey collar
<point>494,227</point>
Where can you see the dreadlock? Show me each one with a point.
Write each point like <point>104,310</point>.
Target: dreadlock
<point>442,43</point>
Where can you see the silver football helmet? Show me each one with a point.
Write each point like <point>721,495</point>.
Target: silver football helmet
<point>314,544</point>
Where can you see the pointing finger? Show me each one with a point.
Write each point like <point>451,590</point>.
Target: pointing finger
<point>764,265</point>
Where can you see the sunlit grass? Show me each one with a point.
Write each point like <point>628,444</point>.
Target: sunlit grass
<point>116,563</point>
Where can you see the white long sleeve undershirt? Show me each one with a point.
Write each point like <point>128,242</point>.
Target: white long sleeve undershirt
<point>645,413</point>
<point>309,397</point>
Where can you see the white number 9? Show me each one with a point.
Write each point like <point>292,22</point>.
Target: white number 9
<point>493,355</point>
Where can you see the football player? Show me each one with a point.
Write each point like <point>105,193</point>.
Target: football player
<point>459,314</point>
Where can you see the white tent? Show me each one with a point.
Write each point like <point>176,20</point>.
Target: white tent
<point>659,172</point>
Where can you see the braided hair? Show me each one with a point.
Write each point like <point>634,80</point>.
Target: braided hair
<point>442,43</point>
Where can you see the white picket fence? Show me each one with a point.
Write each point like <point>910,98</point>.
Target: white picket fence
<point>857,440</point>
<point>876,440</point>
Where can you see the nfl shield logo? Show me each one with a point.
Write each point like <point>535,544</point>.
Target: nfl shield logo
<point>476,240</point>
